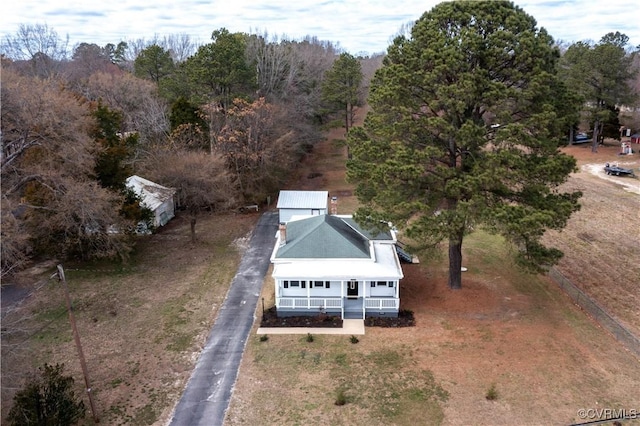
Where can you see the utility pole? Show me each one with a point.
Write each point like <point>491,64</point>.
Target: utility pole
<point>76,337</point>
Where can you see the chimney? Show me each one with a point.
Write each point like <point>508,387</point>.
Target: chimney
<point>283,233</point>
<point>334,205</point>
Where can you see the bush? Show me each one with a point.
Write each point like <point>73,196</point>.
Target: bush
<point>492,393</point>
<point>353,339</point>
<point>47,399</point>
<point>309,337</point>
<point>341,397</point>
<point>264,338</point>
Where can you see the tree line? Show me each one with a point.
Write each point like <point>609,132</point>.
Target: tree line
<point>468,109</point>
<point>222,122</point>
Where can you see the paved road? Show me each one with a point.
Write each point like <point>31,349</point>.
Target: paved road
<point>206,397</point>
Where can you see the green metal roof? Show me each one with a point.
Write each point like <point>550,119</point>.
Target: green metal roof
<point>324,237</point>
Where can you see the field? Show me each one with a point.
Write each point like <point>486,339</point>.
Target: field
<point>142,326</point>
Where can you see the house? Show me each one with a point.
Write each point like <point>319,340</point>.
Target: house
<point>155,197</point>
<point>635,138</point>
<point>301,203</point>
<point>330,264</point>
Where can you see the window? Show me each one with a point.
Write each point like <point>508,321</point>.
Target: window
<point>318,283</point>
<point>382,283</point>
<point>327,284</point>
<point>391,283</point>
<point>373,283</point>
<point>294,283</point>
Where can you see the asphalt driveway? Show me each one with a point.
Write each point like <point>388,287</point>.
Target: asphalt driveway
<point>208,392</point>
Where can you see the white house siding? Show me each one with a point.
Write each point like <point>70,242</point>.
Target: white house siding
<point>333,290</point>
<point>380,290</point>
<point>287,214</point>
<point>301,203</point>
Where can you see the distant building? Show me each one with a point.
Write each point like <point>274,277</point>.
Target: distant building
<point>157,198</point>
<point>301,203</point>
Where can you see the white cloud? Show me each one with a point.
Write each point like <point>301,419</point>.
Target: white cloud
<point>356,25</point>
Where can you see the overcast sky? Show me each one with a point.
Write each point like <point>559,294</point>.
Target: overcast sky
<point>356,26</point>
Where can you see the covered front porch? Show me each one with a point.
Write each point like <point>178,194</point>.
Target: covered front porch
<point>346,308</point>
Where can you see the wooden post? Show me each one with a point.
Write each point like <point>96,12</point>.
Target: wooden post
<point>76,337</point>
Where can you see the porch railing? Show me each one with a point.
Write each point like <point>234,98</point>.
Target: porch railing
<point>304,303</point>
<point>382,303</point>
<point>385,303</point>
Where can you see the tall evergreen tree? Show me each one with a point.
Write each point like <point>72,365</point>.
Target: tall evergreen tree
<point>153,63</point>
<point>464,131</point>
<point>219,70</point>
<point>111,167</point>
<point>602,74</point>
<point>341,86</point>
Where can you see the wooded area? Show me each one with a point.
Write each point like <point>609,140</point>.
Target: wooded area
<point>223,123</point>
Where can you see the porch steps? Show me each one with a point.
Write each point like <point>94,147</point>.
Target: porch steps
<point>353,314</point>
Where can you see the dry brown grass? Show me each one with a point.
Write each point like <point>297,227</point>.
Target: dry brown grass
<point>143,326</point>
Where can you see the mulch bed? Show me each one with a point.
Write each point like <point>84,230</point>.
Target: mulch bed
<point>271,319</point>
<point>405,319</point>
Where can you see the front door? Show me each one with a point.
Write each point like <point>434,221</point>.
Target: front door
<point>352,289</point>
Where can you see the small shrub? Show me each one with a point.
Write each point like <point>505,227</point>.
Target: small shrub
<point>48,398</point>
<point>341,397</point>
<point>492,393</point>
<point>353,339</point>
<point>309,337</point>
<point>264,338</point>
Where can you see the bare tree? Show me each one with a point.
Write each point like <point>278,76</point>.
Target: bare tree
<point>201,180</point>
<point>40,46</point>
<point>272,60</point>
<point>47,165</point>
<point>144,111</point>
<point>253,151</point>
<point>181,46</point>
<point>41,113</point>
<point>15,244</point>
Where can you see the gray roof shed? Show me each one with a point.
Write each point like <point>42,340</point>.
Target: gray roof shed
<point>302,199</point>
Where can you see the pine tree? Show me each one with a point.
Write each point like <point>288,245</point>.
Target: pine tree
<point>463,132</point>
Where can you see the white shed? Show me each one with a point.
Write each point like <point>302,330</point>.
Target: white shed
<point>155,197</point>
<point>301,203</point>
